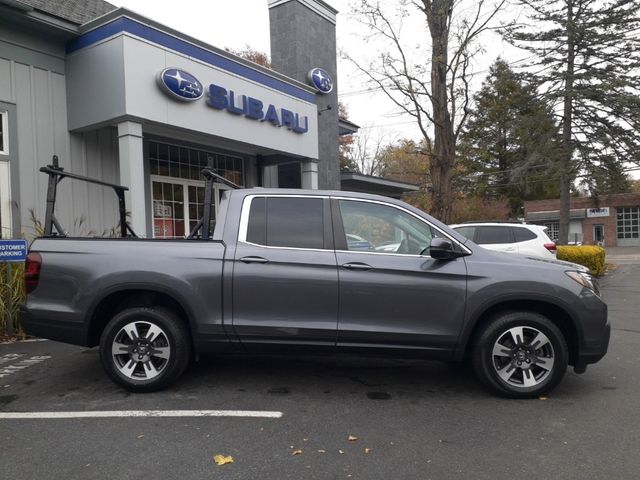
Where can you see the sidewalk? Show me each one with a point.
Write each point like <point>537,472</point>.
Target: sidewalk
<point>623,255</point>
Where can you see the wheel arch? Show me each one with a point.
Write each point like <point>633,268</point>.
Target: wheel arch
<point>556,314</point>
<point>133,296</point>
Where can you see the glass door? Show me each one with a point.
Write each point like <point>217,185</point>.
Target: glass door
<point>168,209</point>
<point>598,234</point>
<point>178,205</point>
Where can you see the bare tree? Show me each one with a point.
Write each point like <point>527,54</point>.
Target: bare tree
<point>369,145</point>
<point>433,90</point>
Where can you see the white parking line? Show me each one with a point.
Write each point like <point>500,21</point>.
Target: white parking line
<point>141,413</point>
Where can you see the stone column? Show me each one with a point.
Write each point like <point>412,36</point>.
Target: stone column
<point>303,37</point>
<point>132,174</point>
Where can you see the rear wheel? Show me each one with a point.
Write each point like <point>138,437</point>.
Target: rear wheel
<point>145,349</point>
<point>520,355</point>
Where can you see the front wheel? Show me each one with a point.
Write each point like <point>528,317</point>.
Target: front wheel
<point>145,349</point>
<point>520,355</point>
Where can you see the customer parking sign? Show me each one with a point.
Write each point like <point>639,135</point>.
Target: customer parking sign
<point>13,250</point>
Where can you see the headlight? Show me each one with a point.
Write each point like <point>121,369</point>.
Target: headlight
<point>586,280</point>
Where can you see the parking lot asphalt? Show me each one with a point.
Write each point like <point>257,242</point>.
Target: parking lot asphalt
<point>412,419</point>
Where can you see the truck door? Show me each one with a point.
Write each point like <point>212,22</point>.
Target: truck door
<point>285,278</point>
<point>394,296</point>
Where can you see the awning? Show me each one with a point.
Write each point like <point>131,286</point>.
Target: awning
<point>554,215</point>
<point>357,182</point>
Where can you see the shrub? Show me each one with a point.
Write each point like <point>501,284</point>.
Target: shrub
<point>591,256</point>
<point>11,295</point>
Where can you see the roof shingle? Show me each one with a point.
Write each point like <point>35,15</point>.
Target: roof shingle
<point>75,11</point>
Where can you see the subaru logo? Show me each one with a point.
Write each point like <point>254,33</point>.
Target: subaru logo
<point>180,85</point>
<point>321,80</point>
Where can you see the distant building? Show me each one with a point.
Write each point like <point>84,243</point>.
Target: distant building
<point>610,220</point>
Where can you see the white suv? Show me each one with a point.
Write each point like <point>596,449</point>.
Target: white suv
<point>521,238</point>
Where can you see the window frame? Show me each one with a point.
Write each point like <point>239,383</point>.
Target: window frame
<point>4,122</point>
<point>327,223</point>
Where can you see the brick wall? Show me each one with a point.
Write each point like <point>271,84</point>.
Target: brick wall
<point>609,223</point>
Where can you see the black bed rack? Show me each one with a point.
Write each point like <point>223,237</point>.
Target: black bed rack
<point>202,230</point>
<point>56,174</point>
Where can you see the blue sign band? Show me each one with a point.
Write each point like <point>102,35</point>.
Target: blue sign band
<point>124,24</point>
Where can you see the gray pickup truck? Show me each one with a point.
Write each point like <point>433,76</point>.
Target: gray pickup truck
<point>321,272</point>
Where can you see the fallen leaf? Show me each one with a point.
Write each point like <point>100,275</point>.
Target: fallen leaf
<point>222,460</point>
<point>297,452</point>
<point>367,450</point>
<point>352,438</point>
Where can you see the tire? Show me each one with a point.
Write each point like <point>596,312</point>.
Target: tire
<point>520,355</point>
<point>145,349</point>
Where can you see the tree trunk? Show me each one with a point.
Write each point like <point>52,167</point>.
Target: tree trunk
<point>567,147</point>
<point>438,14</point>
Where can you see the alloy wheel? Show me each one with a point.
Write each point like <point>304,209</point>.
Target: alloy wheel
<point>140,350</point>
<point>523,357</point>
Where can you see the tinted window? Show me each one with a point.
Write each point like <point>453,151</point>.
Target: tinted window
<point>489,235</point>
<point>257,227</point>
<point>523,234</point>
<point>466,231</point>
<point>286,222</point>
<point>380,228</point>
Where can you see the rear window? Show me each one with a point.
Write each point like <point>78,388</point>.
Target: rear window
<point>523,234</point>
<point>467,232</point>
<point>286,222</point>
<point>494,234</point>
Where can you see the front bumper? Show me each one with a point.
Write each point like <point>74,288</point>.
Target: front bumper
<point>593,353</point>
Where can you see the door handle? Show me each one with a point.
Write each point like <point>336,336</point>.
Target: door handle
<point>253,260</point>
<point>357,266</point>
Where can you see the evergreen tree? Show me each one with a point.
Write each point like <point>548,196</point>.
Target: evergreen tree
<point>509,146</point>
<point>586,60</point>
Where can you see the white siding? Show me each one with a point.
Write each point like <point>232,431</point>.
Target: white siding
<point>41,102</point>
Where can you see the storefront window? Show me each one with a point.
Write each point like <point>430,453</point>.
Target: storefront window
<point>628,222</point>
<point>178,189</point>
<point>179,162</point>
<point>553,230</point>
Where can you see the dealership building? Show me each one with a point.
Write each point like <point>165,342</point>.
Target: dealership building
<point>119,97</point>
<point>608,220</point>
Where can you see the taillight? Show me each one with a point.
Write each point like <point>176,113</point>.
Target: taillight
<point>550,246</point>
<point>32,271</point>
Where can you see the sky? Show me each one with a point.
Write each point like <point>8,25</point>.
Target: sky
<point>238,23</point>
<point>235,24</point>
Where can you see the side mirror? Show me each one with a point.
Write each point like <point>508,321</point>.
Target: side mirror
<point>442,249</point>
